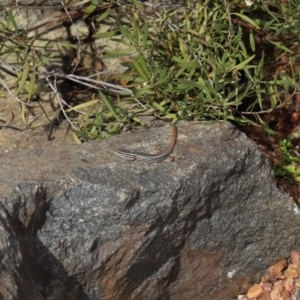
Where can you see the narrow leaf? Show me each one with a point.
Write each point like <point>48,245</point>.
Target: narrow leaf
<point>163,78</point>
<point>252,41</point>
<point>75,137</point>
<point>105,34</point>
<point>82,105</point>
<point>112,54</point>
<point>247,19</point>
<point>89,10</point>
<point>104,15</point>
<point>280,46</point>
<point>11,20</point>
<point>24,77</point>
<point>242,65</point>
<point>109,104</point>
<point>31,88</point>
<point>139,70</point>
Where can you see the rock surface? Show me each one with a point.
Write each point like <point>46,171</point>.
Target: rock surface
<point>81,223</point>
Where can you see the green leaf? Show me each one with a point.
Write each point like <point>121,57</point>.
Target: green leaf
<point>183,48</point>
<point>243,64</point>
<point>265,126</point>
<point>127,34</point>
<point>23,77</point>
<point>104,15</point>
<point>247,19</point>
<point>31,89</point>
<point>140,70</point>
<point>158,106</point>
<point>89,10</point>
<point>105,34</point>
<point>112,54</point>
<point>252,41</point>
<point>163,78</point>
<point>286,80</point>
<point>79,133</point>
<point>11,20</point>
<point>82,105</point>
<point>280,46</point>
<point>109,104</point>
<point>136,33</point>
<point>190,64</point>
<point>69,45</point>
<point>145,35</point>
<point>192,84</point>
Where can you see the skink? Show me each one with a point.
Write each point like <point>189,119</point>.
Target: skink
<point>153,158</point>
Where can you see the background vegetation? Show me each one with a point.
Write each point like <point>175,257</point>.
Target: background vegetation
<point>196,60</point>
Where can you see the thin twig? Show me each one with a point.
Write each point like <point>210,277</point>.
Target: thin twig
<point>11,93</point>
<point>77,36</point>
<point>60,100</point>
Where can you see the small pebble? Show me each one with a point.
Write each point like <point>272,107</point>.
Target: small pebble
<point>255,291</point>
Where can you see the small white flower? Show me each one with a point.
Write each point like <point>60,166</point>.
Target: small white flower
<point>248,3</point>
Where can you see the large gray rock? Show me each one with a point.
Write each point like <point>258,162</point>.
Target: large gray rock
<point>81,223</point>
